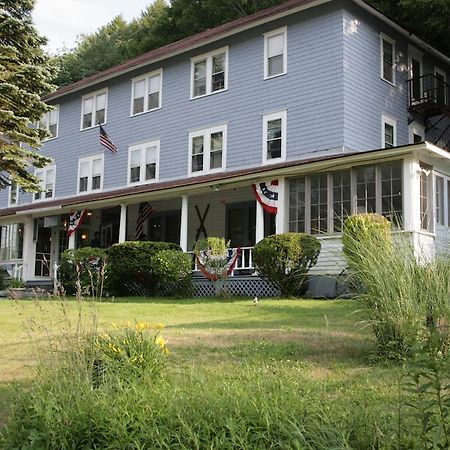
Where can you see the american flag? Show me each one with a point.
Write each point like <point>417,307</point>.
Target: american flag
<point>145,210</point>
<point>106,141</point>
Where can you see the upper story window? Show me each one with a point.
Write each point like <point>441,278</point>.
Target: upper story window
<point>209,73</point>
<point>274,137</point>
<point>50,121</point>
<point>13,197</point>
<point>207,150</point>
<point>275,53</point>
<point>389,135</point>
<point>47,183</point>
<point>387,58</point>
<point>143,162</point>
<point>90,173</point>
<point>93,109</point>
<point>416,133</point>
<point>146,92</point>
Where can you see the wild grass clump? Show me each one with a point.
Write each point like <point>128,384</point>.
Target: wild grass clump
<point>406,295</point>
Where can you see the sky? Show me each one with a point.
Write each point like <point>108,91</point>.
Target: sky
<point>61,21</point>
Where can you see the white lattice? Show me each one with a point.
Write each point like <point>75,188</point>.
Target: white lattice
<point>237,286</point>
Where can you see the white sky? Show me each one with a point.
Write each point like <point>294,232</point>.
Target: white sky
<point>61,21</point>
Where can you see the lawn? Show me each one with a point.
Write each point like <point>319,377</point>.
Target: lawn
<point>317,352</point>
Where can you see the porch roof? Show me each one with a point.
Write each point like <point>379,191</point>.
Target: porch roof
<point>189,185</point>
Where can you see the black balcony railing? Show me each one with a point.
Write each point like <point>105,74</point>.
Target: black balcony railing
<point>429,95</point>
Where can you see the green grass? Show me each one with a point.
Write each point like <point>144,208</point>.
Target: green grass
<point>307,354</point>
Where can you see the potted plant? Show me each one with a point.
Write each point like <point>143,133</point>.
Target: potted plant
<point>16,288</point>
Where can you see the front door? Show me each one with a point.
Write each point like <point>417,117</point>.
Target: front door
<point>42,265</point>
<point>240,224</point>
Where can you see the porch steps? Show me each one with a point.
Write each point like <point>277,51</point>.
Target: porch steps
<point>42,285</point>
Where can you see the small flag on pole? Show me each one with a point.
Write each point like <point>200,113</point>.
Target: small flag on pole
<point>145,210</point>
<point>106,141</point>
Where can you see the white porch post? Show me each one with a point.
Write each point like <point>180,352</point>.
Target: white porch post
<point>259,232</point>
<point>28,249</point>
<point>72,241</point>
<point>123,224</point>
<point>411,198</point>
<point>280,221</point>
<point>184,223</point>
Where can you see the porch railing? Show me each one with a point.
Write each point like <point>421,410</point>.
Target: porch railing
<point>14,268</point>
<point>244,264</point>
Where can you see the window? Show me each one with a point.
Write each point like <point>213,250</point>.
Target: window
<point>11,242</point>
<point>93,109</point>
<point>274,137</point>
<point>320,203</point>
<point>389,138</point>
<point>47,183</point>
<point>90,174</point>
<point>275,53</point>
<point>143,162</point>
<point>440,200</point>
<point>415,73</point>
<point>13,197</point>
<point>416,134</point>
<point>49,122</point>
<point>425,171</point>
<point>146,93</point>
<point>207,150</point>
<point>387,59</point>
<point>209,73</point>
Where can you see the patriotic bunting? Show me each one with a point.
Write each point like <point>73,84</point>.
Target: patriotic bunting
<point>267,195</point>
<point>203,257</point>
<point>76,218</point>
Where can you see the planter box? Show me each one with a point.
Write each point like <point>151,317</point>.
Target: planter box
<point>19,293</point>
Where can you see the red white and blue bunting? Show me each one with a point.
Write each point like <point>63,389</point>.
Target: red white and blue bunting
<point>215,271</point>
<point>266,193</point>
<point>76,218</point>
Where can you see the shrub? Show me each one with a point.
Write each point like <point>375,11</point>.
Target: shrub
<point>285,260</point>
<point>14,283</point>
<point>133,263</point>
<point>82,271</point>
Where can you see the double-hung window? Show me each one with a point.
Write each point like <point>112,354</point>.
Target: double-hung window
<point>46,178</point>
<point>207,150</point>
<point>13,197</point>
<point>49,122</point>
<point>387,48</point>
<point>93,109</point>
<point>440,200</point>
<point>389,132</point>
<point>143,163</point>
<point>274,137</point>
<point>146,93</point>
<point>275,53</point>
<point>209,73</point>
<point>90,174</point>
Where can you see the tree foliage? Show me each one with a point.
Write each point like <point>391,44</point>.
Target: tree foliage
<point>24,74</point>
<point>161,23</point>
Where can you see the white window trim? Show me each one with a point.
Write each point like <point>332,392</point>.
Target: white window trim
<point>268,35</point>
<point>142,147</point>
<point>384,37</point>
<point>390,121</point>
<point>146,77</point>
<point>267,118</point>
<point>10,204</point>
<point>91,159</point>
<point>94,96</point>
<point>445,194</point>
<point>416,129</point>
<point>44,182</point>
<point>47,123</point>
<point>206,132</point>
<point>208,56</point>
<point>438,70</point>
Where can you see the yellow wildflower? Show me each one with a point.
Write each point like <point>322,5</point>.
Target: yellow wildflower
<point>160,341</point>
<point>158,326</point>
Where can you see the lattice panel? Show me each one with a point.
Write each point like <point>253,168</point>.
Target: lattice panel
<point>239,286</point>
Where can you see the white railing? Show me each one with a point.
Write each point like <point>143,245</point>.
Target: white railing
<point>14,268</point>
<point>244,262</point>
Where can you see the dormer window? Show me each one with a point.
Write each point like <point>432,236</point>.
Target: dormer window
<point>94,109</point>
<point>209,73</point>
<point>146,93</point>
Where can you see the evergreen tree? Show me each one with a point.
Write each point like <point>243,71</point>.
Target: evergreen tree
<point>24,71</point>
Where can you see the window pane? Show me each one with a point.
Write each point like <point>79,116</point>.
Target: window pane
<point>424,213</point>
<point>53,129</point>
<point>87,108</point>
<point>150,163</point>
<point>274,139</point>
<point>138,105</point>
<point>439,200</point>
<point>341,198</point>
<point>388,135</point>
<point>154,84</point>
<point>216,150</point>
<point>275,65</point>
<point>87,120</point>
<point>135,158</point>
<point>275,45</point>
<point>200,78</point>
<point>388,61</point>
<point>135,174</point>
<point>153,101</point>
<point>297,205</point>
<point>319,203</point>
<point>83,184</point>
<point>274,129</point>
<point>96,182</point>
<point>197,163</point>
<point>53,117</point>
<point>100,102</point>
<point>392,192</point>
<point>139,93</point>
<point>84,169</point>
<point>365,189</point>
<point>199,87</point>
<point>218,73</point>
<point>96,167</point>
<point>100,116</point>
<point>150,171</point>
<point>197,145</point>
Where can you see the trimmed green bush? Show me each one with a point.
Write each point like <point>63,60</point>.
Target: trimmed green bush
<point>285,259</point>
<point>85,258</point>
<point>146,264</point>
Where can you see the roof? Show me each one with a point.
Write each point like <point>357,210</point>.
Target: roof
<point>220,32</point>
<point>252,174</point>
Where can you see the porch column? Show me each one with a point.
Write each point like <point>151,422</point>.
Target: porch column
<point>411,193</point>
<point>280,221</point>
<point>72,241</point>
<point>29,253</point>
<point>259,232</point>
<point>123,224</point>
<point>184,223</point>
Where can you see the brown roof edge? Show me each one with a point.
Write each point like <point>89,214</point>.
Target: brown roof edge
<point>182,45</point>
<point>185,182</point>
